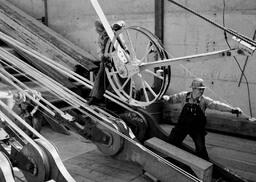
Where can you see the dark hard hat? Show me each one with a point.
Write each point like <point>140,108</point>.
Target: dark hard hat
<point>197,83</point>
<point>118,25</point>
<point>99,26</point>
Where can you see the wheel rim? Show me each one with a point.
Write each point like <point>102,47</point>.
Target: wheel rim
<point>40,160</point>
<point>116,142</point>
<point>144,87</point>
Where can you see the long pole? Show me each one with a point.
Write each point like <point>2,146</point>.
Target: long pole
<point>188,59</point>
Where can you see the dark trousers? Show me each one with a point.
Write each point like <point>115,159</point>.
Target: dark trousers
<point>178,134</point>
<point>100,83</point>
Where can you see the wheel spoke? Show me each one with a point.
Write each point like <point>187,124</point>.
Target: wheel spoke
<point>136,40</point>
<point>150,89</point>
<point>144,88</point>
<point>126,81</point>
<point>131,44</point>
<point>148,50</point>
<point>153,73</point>
<point>130,93</point>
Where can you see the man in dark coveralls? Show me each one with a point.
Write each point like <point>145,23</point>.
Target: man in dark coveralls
<point>101,83</point>
<point>192,119</point>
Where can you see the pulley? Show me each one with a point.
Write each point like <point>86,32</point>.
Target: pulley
<point>115,142</point>
<point>38,169</point>
<point>134,86</point>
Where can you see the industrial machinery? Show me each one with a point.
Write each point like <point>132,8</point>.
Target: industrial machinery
<point>36,159</point>
<point>138,66</point>
<point>139,76</point>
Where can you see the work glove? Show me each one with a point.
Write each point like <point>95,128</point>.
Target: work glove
<point>252,119</point>
<point>166,97</point>
<point>236,111</point>
<point>35,94</point>
<point>21,96</point>
<point>67,116</point>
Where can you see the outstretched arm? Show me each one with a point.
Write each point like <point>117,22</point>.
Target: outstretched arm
<point>217,105</point>
<point>176,98</point>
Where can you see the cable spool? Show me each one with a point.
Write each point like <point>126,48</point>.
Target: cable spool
<point>131,85</point>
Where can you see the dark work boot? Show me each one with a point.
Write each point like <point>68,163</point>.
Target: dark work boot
<point>95,101</point>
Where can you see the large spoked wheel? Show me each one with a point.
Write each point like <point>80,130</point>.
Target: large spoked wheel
<point>138,88</point>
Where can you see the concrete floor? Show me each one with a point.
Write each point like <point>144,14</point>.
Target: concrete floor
<point>86,164</point>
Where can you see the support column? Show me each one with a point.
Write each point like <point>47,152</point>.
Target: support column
<point>46,12</point>
<point>159,19</point>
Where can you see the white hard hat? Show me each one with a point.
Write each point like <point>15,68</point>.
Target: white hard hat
<point>197,83</point>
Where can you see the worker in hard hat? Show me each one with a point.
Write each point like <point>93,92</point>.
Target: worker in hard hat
<point>21,105</point>
<point>192,119</point>
<point>101,83</point>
